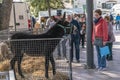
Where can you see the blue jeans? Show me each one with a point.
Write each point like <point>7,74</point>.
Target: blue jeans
<point>63,46</point>
<point>75,41</point>
<point>118,25</point>
<point>101,60</point>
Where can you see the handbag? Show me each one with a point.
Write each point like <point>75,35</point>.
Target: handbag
<point>98,42</point>
<point>104,51</point>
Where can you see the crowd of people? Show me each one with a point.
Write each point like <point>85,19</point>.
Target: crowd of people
<point>78,35</point>
<point>102,29</point>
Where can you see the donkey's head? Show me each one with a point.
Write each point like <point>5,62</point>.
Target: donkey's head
<point>60,28</point>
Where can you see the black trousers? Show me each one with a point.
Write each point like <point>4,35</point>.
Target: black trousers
<point>110,56</point>
<point>82,38</point>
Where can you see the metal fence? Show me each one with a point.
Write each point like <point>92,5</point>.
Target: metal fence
<point>33,62</point>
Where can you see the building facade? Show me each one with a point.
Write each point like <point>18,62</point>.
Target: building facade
<point>105,3</point>
<point>79,3</point>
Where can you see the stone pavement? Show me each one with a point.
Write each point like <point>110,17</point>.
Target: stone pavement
<point>113,67</point>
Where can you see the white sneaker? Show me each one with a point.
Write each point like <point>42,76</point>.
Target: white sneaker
<point>102,69</point>
<point>97,68</point>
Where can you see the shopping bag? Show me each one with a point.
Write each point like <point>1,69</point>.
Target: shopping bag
<point>104,51</point>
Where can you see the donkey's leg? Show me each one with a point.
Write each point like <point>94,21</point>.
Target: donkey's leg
<point>12,64</point>
<point>53,64</point>
<point>46,65</point>
<point>19,65</point>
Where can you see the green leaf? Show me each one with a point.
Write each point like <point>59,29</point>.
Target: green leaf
<point>40,5</point>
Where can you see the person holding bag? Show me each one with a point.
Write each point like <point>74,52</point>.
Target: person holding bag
<point>100,37</point>
<point>83,31</point>
<point>111,38</point>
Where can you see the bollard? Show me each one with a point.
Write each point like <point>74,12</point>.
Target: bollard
<point>11,75</point>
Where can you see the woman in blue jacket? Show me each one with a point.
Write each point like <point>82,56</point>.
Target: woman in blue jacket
<point>118,22</point>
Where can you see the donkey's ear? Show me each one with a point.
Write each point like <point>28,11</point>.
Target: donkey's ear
<point>64,16</point>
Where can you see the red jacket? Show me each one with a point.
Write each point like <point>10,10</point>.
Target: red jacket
<point>100,30</point>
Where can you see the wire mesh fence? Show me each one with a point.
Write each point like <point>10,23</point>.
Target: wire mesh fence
<point>34,55</point>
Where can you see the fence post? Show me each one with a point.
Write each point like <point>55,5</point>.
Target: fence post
<point>70,63</point>
<point>11,75</point>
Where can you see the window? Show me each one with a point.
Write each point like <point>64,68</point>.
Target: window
<point>21,17</point>
<point>108,6</point>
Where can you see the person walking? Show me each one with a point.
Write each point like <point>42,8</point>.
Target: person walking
<point>52,22</point>
<point>75,37</point>
<point>62,43</point>
<point>111,37</point>
<point>33,21</point>
<point>76,17</point>
<point>100,30</point>
<point>83,31</point>
<point>118,22</point>
<point>111,19</point>
<point>48,22</point>
<point>36,28</point>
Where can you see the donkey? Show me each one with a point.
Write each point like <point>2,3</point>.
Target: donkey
<point>30,44</point>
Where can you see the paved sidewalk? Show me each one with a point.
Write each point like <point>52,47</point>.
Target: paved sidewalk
<point>113,67</point>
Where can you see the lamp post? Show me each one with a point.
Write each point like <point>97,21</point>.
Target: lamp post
<point>90,55</point>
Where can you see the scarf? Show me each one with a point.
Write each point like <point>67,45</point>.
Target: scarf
<point>97,20</point>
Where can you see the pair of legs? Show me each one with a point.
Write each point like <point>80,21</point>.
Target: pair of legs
<point>101,60</point>
<point>118,25</point>
<point>110,56</point>
<point>83,40</point>
<point>18,58</point>
<point>49,57</point>
<point>63,45</point>
<point>76,42</point>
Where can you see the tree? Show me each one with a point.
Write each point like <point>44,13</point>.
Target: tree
<point>5,10</point>
<point>49,10</point>
<point>41,5</point>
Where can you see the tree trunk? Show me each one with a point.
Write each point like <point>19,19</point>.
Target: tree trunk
<point>49,10</point>
<point>5,10</point>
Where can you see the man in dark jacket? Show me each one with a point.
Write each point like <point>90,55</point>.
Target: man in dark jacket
<point>75,37</point>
